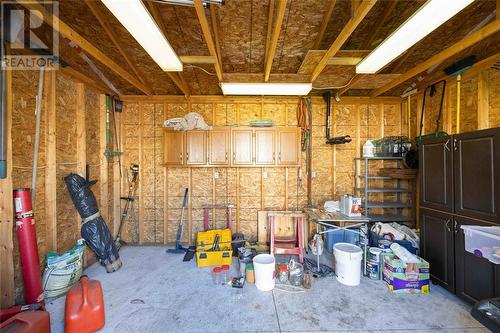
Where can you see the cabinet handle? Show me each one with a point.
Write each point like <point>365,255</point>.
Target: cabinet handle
<point>187,156</point>
<point>446,145</point>
<point>274,156</point>
<point>226,156</point>
<point>455,226</point>
<point>234,156</point>
<point>455,144</point>
<point>448,226</point>
<point>279,156</point>
<point>180,156</point>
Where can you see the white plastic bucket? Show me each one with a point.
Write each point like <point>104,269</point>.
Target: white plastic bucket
<point>264,266</point>
<point>348,263</point>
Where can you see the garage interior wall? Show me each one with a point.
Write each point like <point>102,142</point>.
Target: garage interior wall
<point>73,135</point>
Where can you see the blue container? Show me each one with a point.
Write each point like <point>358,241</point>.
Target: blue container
<point>340,236</point>
<point>374,238</point>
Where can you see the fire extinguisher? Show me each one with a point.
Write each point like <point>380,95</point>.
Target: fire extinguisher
<point>28,249</point>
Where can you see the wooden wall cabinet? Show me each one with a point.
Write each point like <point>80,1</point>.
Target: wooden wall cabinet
<point>239,147</point>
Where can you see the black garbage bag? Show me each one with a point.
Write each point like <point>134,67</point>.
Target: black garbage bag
<point>94,229</point>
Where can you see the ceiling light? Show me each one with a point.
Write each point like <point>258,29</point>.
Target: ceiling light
<point>430,16</point>
<point>134,16</point>
<point>271,89</point>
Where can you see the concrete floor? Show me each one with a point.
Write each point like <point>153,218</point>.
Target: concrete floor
<point>158,292</point>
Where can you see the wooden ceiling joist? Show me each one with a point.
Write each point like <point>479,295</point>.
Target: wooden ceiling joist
<point>187,59</point>
<point>215,28</point>
<point>270,18</point>
<point>324,24</point>
<point>271,49</point>
<point>109,31</point>
<point>175,77</point>
<point>66,31</point>
<point>348,29</point>
<point>200,12</point>
<point>463,44</point>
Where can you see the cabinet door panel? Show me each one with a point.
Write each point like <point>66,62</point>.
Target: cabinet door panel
<point>196,147</point>
<point>436,172</point>
<point>477,174</point>
<point>242,147</point>
<point>218,142</point>
<point>437,246</point>
<point>476,278</point>
<point>265,147</point>
<point>173,150</point>
<point>288,147</point>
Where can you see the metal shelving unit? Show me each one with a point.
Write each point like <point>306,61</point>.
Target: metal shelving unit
<point>363,175</point>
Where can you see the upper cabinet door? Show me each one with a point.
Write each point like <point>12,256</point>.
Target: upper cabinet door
<point>242,146</point>
<point>289,146</point>
<point>265,145</point>
<point>436,174</point>
<point>173,150</point>
<point>218,146</point>
<point>477,174</point>
<point>196,147</point>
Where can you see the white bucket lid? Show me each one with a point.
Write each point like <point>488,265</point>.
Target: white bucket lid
<point>264,259</point>
<point>375,250</point>
<point>347,251</point>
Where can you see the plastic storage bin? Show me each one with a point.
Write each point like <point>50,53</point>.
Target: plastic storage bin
<point>374,238</point>
<point>340,236</point>
<point>483,242</point>
<point>205,256</point>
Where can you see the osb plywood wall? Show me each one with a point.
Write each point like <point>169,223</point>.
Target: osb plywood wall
<point>159,196</point>
<point>479,104</point>
<point>76,110</point>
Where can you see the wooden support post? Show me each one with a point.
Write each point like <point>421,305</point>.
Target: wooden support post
<point>7,213</point>
<point>81,145</point>
<point>103,161</point>
<point>140,217</point>
<point>116,182</point>
<point>190,206</point>
<point>483,102</point>
<point>448,119</point>
<point>459,88</point>
<point>408,114</point>
<point>237,200</point>
<point>165,205</point>
<point>50,160</point>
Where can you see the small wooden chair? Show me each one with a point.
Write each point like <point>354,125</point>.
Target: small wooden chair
<point>293,246</point>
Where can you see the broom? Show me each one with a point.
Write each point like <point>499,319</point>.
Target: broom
<point>178,247</point>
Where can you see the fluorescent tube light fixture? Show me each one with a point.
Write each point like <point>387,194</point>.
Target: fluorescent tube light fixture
<point>134,16</point>
<point>268,88</point>
<point>430,16</point>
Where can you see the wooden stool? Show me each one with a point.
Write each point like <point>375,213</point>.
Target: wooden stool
<point>293,246</point>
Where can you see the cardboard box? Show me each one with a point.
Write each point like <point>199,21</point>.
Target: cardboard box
<point>404,278</point>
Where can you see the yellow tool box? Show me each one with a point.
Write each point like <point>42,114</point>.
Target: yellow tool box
<point>222,255</point>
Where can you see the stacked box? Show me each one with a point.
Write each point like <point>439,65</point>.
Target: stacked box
<point>404,278</point>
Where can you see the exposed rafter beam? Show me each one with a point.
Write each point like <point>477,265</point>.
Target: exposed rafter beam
<point>353,23</point>
<point>66,31</point>
<point>278,22</point>
<point>354,80</point>
<point>200,12</point>
<point>175,77</point>
<point>187,59</point>
<point>387,12</point>
<point>270,17</point>
<point>463,44</point>
<point>324,24</point>
<point>109,31</point>
<point>215,27</point>
<point>69,71</point>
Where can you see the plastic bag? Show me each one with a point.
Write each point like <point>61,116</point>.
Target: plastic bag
<point>190,121</point>
<point>93,230</point>
<point>316,245</point>
<point>62,271</point>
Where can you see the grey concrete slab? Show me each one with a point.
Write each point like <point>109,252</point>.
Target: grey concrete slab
<point>157,292</point>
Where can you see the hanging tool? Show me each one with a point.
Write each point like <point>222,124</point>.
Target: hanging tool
<point>109,152</point>
<point>129,203</point>
<point>178,247</point>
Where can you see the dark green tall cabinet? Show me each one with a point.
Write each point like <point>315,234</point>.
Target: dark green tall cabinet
<point>459,185</point>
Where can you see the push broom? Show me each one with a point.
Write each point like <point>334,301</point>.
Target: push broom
<point>178,247</point>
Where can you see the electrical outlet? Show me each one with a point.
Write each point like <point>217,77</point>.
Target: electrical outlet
<point>314,173</point>
<point>216,175</point>
<point>265,175</point>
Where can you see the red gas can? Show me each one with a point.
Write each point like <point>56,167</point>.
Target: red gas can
<point>27,322</point>
<point>84,307</point>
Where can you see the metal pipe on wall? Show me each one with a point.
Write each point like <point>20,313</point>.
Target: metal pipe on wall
<point>38,115</point>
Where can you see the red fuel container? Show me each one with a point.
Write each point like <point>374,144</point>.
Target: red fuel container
<point>84,307</point>
<point>27,322</point>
